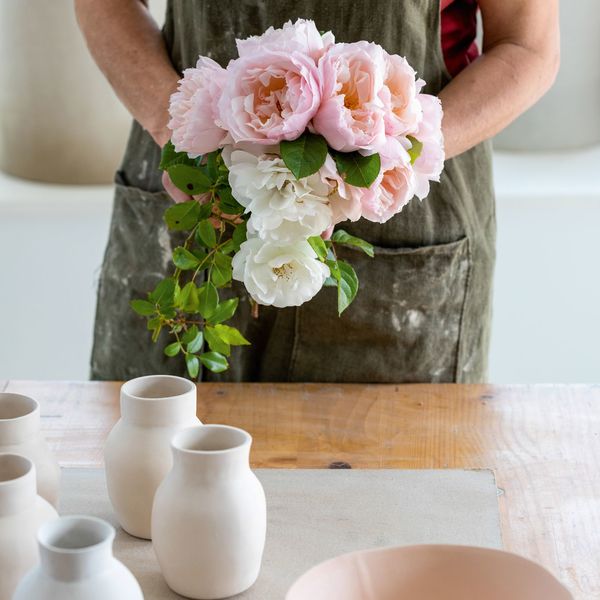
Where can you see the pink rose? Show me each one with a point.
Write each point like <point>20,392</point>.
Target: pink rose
<point>301,36</point>
<point>345,200</point>
<point>269,96</point>
<point>351,116</point>
<point>428,167</point>
<point>193,109</point>
<point>399,95</point>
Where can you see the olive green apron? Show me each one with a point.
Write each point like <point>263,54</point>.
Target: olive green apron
<point>422,313</point>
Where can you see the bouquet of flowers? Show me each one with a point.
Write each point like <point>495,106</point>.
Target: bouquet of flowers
<point>297,134</point>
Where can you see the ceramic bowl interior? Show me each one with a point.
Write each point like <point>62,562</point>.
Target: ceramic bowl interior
<point>13,406</point>
<point>75,533</point>
<point>13,466</point>
<point>211,438</point>
<point>158,386</point>
<point>428,573</point>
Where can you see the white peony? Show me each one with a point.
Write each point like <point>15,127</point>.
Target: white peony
<point>282,209</point>
<point>279,275</point>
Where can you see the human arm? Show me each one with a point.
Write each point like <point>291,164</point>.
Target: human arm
<point>519,63</point>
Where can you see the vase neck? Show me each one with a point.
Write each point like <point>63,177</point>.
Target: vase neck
<point>17,484</point>
<point>19,419</point>
<point>75,548</point>
<point>158,401</point>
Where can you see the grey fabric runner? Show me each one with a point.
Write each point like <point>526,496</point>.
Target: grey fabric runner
<point>314,515</point>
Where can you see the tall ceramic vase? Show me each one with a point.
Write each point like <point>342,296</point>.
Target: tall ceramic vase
<point>22,512</point>
<point>20,434</point>
<point>209,515</point>
<point>77,563</point>
<point>137,454</point>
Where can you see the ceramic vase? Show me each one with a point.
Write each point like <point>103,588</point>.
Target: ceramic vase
<point>77,563</point>
<point>209,515</point>
<point>20,433</point>
<point>22,512</point>
<point>137,454</point>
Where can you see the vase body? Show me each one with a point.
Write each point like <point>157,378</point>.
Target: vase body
<point>77,564</point>
<point>22,512</point>
<point>20,433</point>
<point>209,515</point>
<point>137,454</point>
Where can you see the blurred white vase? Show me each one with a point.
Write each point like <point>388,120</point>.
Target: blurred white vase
<point>569,115</point>
<point>60,121</point>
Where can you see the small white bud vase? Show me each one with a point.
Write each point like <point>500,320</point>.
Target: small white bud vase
<point>209,518</point>
<point>22,512</point>
<point>137,453</point>
<point>20,433</point>
<point>77,563</point>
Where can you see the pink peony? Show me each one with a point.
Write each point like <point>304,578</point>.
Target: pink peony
<point>399,95</point>
<point>428,167</point>
<point>269,96</point>
<point>351,116</point>
<point>193,109</point>
<point>345,200</point>
<point>301,36</point>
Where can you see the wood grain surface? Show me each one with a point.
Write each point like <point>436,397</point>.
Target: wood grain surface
<point>542,441</point>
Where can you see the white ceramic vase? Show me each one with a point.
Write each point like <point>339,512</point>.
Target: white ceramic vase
<point>137,454</point>
<point>209,515</point>
<point>20,433</point>
<point>77,563</point>
<point>22,512</point>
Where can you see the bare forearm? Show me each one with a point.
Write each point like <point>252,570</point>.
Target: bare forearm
<point>127,45</point>
<point>511,75</point>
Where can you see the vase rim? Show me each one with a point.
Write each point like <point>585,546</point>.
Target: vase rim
<point>101,533</point>
<point>16,467</point>
<point>210,440</point>
<point>132,387</point>
<point>23,408</point>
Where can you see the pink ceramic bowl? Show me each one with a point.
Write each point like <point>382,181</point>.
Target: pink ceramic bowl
<point>428,573</point>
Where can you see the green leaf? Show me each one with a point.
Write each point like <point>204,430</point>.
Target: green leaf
<point>183,216</point>
<point>347,286</point>
<point>170,158</point>
<point>215,342</point>
<point>304,155</point>
<point>356,169</point>
<point>221,270</point>
<point>205,234</point>
<point>190,180</point>
<point>184,259</point>
<point>214,361</point>
<point>415,149</point>
<point>227,247</point>
<point>227,203</point>
<point>196,344</point>
<point>143,307</point>
<point>173,349</point>
<point>208,299</point>
<point>211,165</point>
<point>231,335</point>
<point>224,311</point>
<point>318,245</point>
<point>334,269</point>
<point>190,334</point>
<point>240,234</point>
<point>164,293</point>
<point>193,365</point>
<point>342,237</point>
<point>188,297</point>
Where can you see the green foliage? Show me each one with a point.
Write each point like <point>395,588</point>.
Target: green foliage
<point>224,311</point>
<point>304,155</point>
<point>190,180</point>
<point>221,270</point>
<point>239,235</point>
<point>415,150</point>
<point>193,365</point>
<point>143,307</point>
<point>356,169</point>
<point>214,361</point>
<point>341,237</point>
<point>318,245</point>
<point>183,216</point>
<point>173,349</point>
<point>184,259</point>
<point>205,234</point>
<point>170,158</point>
<point>208,299</point>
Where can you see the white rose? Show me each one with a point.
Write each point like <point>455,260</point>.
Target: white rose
<point>282,209</point>
<point>279,275</point>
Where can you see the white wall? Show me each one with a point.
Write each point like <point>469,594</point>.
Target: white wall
<point>546,323</point>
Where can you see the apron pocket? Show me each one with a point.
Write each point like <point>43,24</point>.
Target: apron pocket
<point>403,326</point>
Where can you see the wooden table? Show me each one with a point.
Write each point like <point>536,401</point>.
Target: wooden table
<point>542,441</point>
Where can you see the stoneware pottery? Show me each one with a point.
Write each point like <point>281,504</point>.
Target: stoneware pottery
<point>22,512</point>
<point>20,434</point>
<point>77,563</point>
<point>209,515</point>
<point>137,454</point>
<point>428,573</point>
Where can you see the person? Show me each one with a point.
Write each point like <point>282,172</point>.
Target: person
<point>422,313</point>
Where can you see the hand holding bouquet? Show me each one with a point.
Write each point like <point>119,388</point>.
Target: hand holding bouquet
<point>296,135</point>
